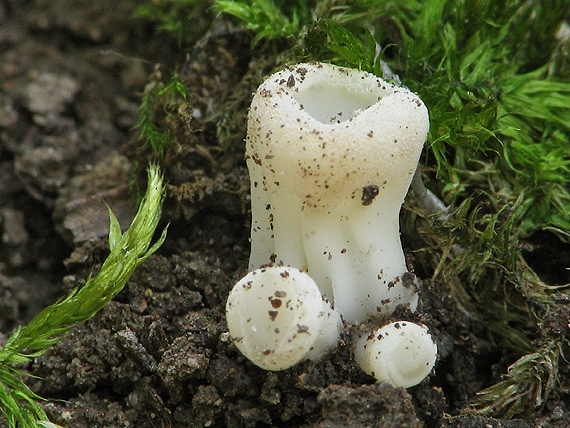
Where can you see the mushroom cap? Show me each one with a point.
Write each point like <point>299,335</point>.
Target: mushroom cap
<point>401,352</point>
<point>325,132</point>
<point>275,315</point>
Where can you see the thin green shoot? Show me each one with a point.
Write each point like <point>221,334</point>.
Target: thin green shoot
<point>127,251</point>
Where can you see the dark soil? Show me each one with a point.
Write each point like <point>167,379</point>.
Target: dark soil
<point>71,76</point>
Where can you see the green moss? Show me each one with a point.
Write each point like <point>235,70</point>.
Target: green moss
<point>159,101</point>
<point>127,251</point>
<point>496,80</point>
<point>174,16</point>
<point>524,388</point>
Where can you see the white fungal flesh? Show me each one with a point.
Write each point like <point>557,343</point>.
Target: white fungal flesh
<point>331,153</point>
<point>278,317</point>
<point>402,353</point>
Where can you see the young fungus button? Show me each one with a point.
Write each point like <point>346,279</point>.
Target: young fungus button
<point>402,353</point>
<point>277,317</point>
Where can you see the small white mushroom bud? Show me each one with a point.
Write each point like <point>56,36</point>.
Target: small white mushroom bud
<point>278,317</point>
<point>331,153</point>
<point>402,353</point>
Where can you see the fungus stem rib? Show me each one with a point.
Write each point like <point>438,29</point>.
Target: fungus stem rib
<point>332,152</point>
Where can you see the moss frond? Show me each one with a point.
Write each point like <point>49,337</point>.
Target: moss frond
<point>128,250</point>
<point>524,389</point>
<point>159,100</point>
<point>173,16</point>
<point>268,19</point>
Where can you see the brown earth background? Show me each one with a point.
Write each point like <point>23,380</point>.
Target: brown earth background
<point>72,73</point>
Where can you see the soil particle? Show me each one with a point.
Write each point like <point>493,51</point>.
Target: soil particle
<point>379,406</point>
<point>82,207</point>
<point>89,358</point>
<point>231,378</point>
<point>206,405</point>
<point>91,411</point>
<point>181,363</point>
<point>8,112</point>
<point>128,342</point>
<point>556,322</point>
<point>47,95</point>
<point>15,237</point>
<point>21,297</point>
<point>471,422</point>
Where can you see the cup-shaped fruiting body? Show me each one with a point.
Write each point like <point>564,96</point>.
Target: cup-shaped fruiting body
<point>402,353</point>
<point>278,317</point>
<point>331,152</point>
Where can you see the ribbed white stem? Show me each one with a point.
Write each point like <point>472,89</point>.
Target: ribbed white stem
<point>331,153</point>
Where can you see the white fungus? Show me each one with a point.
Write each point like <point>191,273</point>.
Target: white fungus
<point>402,353</point>
<point>331,152</point>
<point>278,317</point>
